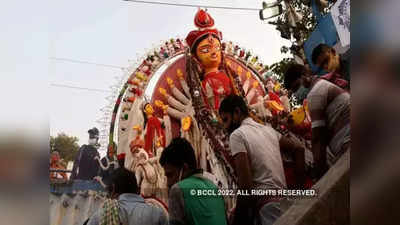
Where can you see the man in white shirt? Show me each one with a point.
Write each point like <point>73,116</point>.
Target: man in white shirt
<point>257,160</point>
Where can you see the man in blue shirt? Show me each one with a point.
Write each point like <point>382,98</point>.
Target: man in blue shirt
<point>126,206</point>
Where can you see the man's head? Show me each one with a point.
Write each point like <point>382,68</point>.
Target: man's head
<point>93,136</point>
<point>122,181</point>
<point>178,160</point>
<point>55,156</point>
<point>296,76</point>
<point>233,110</point>
<point>325,58</point>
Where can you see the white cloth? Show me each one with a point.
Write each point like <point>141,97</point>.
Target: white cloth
<point>261,143</point>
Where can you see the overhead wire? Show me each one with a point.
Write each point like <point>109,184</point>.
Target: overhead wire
<point>121,67</point>
<point>81,88</point>
<point>193,5</point>
<point>86,62</point>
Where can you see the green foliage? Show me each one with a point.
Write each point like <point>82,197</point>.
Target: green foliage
<point>66,145</point>
<point>278,69</point>
<point>299,34</point>
<point>284,49</point>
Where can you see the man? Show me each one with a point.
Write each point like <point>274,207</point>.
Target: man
<point>329,107</point>
<point>109,163</point>
<point>257,160</point>
<point>55,164</point>
<point>183,177</point>
<point>126,206</point>
<point>326,58</point>
<point>86,166</point>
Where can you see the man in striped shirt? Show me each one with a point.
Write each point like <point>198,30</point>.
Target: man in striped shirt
<point>329,107</point>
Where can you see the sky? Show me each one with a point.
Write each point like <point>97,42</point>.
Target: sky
<point>118,33</point>
<point>24,76</point>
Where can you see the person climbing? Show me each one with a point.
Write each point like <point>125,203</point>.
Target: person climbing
<point>337,68</point>
<point>109,164</point>
<point>329,107</point>
<point>256,151</point>
<point>126,206</point>
<point>183,177</point>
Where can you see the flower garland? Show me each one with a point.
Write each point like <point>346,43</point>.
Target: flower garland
<point>238,88</point>
<point>211,130</point>
<point>108,163</point>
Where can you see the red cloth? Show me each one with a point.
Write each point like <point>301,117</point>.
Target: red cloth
<point>203,19</point>
<point>241,54</point>
<point>136,91</point>
<point>217,80</point>
<point>131,99</point>
<point>55,165</point>
<point>204,22</point>
<point>121,156</point>
<point>274,97</point>
<point>153,128</point>
<point>336,79</point>
<point>196,34</point>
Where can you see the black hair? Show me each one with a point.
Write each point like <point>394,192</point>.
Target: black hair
<point>231,102</point>
<point>123,181</point>
<point>294,72</point>
<point>178,152</point>
<point>317,51</point>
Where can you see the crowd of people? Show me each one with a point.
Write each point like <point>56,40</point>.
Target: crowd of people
<point>256,148</point>
<point>87,164</point>
<point>329,105</point>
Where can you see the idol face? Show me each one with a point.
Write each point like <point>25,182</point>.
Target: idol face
<point>209,52</point>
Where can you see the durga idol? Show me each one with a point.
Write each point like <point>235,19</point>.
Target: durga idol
<point>206,50</point>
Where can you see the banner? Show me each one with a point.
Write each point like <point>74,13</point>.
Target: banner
<point>341,17</point>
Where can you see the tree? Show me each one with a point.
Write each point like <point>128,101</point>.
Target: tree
<point>298,31</point>
<point>279,68</point>
<point>297,34</point>
<point>66,145</point>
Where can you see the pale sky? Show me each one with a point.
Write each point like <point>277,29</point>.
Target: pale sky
<point>117,33</point>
